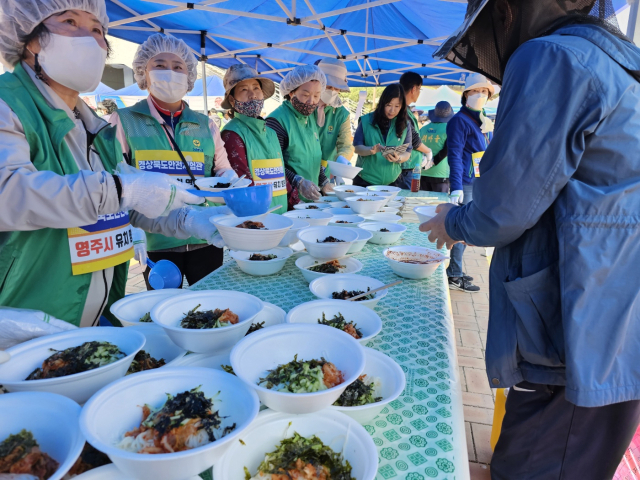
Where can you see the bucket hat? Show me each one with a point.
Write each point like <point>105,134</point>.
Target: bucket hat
<point>240,72</point>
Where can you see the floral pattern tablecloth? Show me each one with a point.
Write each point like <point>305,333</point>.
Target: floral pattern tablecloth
<point>420,435</point>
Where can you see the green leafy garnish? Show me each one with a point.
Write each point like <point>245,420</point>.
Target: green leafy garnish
<point>339,322</point>
<point>357,394</point>
<point>146,318</point>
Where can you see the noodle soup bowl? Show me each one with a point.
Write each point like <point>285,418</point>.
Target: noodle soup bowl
<point>313,237</point>
<point>53,421</point>
<point>170,312</point>
<point>117,409</point>
<point>324,287</point>
<point>27,356</point>
<point>339,432</point>
<point>266,349</point>
<point>351,265</point>
<point>249,240</point>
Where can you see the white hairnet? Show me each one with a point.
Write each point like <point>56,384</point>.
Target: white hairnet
<point>302,74</point>
<point>18,18</point>
<point>157,44</point>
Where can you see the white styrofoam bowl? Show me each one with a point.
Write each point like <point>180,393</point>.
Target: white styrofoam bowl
<point>363,237</point>
<point>384,238</point>
<point>111,472</point>
<point>330,200</point>
<point>158,344</point>
<point>366,320</point>
<point>130,309</point>
<point>252,240</point>
<point>53,421</point>
<point>291,237</point>
<point>344,171</point>
<point>303,263</point>
<point>208,183</point>
<point>383,217</point>
<point>388,210</point>
<point>353,221</point>
<point>425,212</point>
<point>345,191</point>
<point>416,271</point>
<point>365,205</point>
<point>262,267</point>
<point>395,204</point>
<point>336,430</point>
<point>271,315</point>
<point>325,286</point>
<point>307,206</point>
<point>388,196</point>
<point>117,408</point>
<point>340,211</point>
<point>392,383</point>
<point>28,356</point>
<point>327,251</point>
<point>313,217</point>
<point>171,311</point>
<point>394,191</point>
<point>266,349</point>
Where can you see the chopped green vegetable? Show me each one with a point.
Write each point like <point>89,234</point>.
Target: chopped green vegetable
<point>260,257</point>
<point>145,318</point>
<point>298,452</point>
<point>300,376</point>
<point>357,394</point>
<point>228,369</point>
<point>339,322</point>
<point>143,361</point>
<point>346,294</point>
<point>255,327</point>
<point>208,319</point>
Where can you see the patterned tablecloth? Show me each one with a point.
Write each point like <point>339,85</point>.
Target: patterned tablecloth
<point>421,434</point>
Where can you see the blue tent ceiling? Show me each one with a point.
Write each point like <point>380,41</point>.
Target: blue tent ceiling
<point>378,39</point>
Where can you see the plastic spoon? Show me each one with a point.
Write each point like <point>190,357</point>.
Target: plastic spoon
<point>374,291</point>
<point>236,181</point>
<point>271,210</point>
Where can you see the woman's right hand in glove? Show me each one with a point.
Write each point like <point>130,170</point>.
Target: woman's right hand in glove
<point>152,194</point>
<point>309,190</point>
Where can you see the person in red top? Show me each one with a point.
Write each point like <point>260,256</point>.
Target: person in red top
<point>245,92</point>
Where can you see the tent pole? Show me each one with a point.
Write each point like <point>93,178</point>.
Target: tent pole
<point>203,38</point>
<point>633,28</point>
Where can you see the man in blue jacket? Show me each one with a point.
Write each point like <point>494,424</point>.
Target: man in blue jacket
<point>559,197</point>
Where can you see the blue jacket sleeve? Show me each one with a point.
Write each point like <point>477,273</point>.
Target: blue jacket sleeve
<point>358,138</point>
<point>547,110</point>
<point>457,133</point>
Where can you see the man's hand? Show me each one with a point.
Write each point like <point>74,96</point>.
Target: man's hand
<point>438,233</point>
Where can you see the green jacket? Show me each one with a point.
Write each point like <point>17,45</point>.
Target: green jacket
<point>433,136</point>
<point>304,153</point>
<point>264,156</point>
<point>192,134</point>
<point>376,169</point>
<point>35,266</point>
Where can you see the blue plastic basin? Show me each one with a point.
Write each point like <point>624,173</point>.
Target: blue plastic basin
<point>244,202</point>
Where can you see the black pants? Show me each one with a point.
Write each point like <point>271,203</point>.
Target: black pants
<point>544,437</point>
<point>432,184</point>
<point>195,265</point>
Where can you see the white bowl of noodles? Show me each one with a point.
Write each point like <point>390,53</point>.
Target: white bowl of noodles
<point>104,422</point>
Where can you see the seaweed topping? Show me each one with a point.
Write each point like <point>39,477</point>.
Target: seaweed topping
<point>222,185</point>
<point>261,257</point>
<point>143,361</point>
<point>255,327</point>
<point>329,267</point>
<point>297,452</point>
<point>20,454</point>
<point>346,294</point>
<point>339,322</point>
<point>357,394</point>
<point>330,240</point>
<point>384,230</point>
<point>312,207</point>
<point>208,319</point>
<point>78,359</point>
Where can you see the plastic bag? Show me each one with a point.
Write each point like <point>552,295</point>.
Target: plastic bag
<point>19,325</point>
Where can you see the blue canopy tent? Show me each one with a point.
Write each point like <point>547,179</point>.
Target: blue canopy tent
<point>214,88</point>
<point>96,96</point>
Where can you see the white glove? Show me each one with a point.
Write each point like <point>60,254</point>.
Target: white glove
<point>456,197</point>
<point>309,190</point>
<point>140,246</point>
<point>327,188</point>
<point>230,174</point>
<point>19,325</point>
<point>197,223</point>
<point>427,160</point>
<point>152,194</point>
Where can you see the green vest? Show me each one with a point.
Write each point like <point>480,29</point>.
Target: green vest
<point>433,136</point>
<point>304,154</point>
<point>334,119</point>
<point>376,169</point>
<point>192,134</point>
<point>261,144</point>
<point>35,266</point>
<point>416,156</point>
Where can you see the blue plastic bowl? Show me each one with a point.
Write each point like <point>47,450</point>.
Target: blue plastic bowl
<point>164,274</point>
<point>245,202</point>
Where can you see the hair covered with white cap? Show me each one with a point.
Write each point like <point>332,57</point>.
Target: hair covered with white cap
<point>157,44</point>
<point>300,75</point>
<point>18,18</point>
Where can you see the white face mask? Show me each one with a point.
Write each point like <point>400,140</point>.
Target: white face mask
<point>167,85</point>
<point>331,98</point>
<point>75,62</point>
<point>477,101</point>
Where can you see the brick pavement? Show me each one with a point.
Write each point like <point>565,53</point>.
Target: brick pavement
<point>470,317</point>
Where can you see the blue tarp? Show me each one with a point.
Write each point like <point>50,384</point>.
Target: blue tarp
<point>214,88</point>
<point>406,21</point>
<point>131,91</point>
<point>102,89</point>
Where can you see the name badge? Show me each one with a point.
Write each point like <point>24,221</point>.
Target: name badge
<point>105,244</point>
<point>169,163</point>
<point>270,172</point>
<point>476,158</point>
